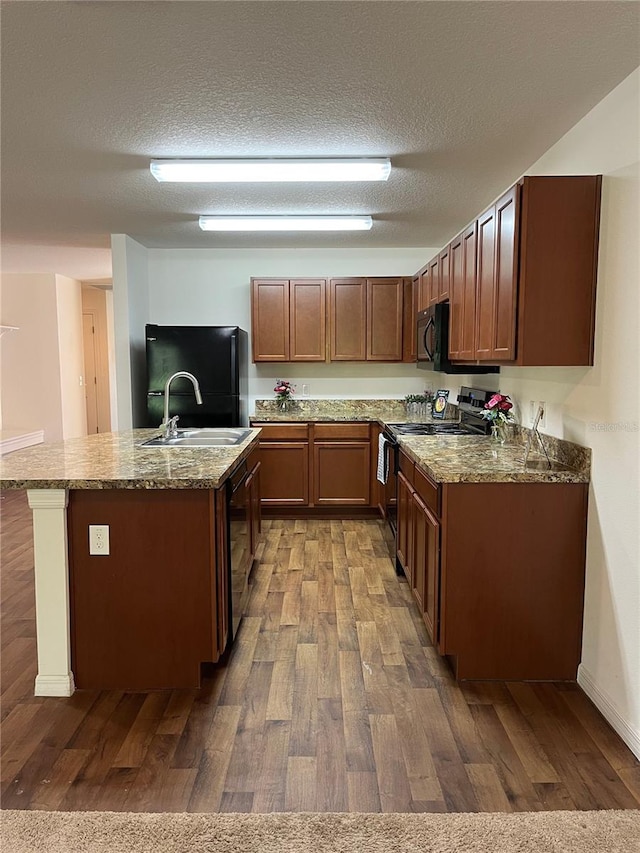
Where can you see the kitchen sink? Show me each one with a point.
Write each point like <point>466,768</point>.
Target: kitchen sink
<point>201,438</point>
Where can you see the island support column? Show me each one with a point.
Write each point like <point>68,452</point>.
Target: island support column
<point>53,624</point>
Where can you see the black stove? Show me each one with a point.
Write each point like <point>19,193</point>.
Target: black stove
<point>434,429</point>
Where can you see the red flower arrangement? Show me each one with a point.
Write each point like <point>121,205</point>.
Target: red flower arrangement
<point>498,409</point>
<point>284,390</point>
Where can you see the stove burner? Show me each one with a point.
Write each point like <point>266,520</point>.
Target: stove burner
<point>432,429</point>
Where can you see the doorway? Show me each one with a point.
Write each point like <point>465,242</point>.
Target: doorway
<point>96,359</point>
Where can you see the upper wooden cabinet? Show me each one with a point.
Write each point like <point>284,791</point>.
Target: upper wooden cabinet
<point>288,319</point>
<point>384,319</point>
<point>348,319</point>
<point>521,279</point>
<point>366,319</point>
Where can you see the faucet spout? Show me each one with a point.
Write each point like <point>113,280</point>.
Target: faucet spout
<point>168,423</point>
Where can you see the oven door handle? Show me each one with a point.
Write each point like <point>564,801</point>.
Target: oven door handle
<point>429,325</point>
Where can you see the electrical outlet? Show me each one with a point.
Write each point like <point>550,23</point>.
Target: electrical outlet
<point>305,390</point>
<point>99,540</point>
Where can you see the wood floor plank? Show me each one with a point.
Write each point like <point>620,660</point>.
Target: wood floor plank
<point>208,787</point>
<point>271,785</point>
<point>304,720</point>
<point>332,793</point>
<point>362,791</point>
<point>393,784</point>
<point>301,784</point>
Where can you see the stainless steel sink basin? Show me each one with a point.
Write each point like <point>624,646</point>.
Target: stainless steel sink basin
<point>205,437</point>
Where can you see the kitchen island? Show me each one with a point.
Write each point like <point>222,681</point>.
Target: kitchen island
<point>151,610</point>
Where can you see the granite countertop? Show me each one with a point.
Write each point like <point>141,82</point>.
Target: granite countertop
<point>117,461</point>
<point>478,459</point>
<point>450,459</point>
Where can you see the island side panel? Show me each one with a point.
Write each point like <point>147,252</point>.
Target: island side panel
<point>143,617</point>
<point>49,507</point>
<point>512,579</point>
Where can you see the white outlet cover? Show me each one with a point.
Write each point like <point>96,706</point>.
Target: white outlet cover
<point>99,540</point>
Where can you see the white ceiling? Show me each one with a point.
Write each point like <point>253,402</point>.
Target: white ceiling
<point>463,96</point>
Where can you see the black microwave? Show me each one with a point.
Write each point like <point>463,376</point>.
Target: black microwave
<point>433,343</point>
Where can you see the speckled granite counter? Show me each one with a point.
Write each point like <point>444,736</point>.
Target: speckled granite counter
<point>475,459</point>
<point>450,459</point>
<point>117,461</point>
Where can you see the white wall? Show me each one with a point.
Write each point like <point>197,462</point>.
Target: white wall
<point>131,313</point>
<point>30,367</point>
<point>71,356</point>
<point>211,286</point>
<point>598,406</point>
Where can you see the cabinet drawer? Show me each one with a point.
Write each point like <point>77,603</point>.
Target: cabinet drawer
<point>346,431</point>
<point>428,490</point>
<point>282,432</point>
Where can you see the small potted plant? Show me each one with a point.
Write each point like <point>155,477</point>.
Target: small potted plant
<point>284,394</point>
<point>497,411</point>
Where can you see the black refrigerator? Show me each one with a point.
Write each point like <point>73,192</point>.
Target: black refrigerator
<point>218,358</point>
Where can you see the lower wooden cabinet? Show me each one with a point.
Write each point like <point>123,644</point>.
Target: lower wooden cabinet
<point>497,571</point>
<point>323,464</point>
<point>255,507</point>
<point>341,471</point>
<point>285,472</point>
<point>147,615</point>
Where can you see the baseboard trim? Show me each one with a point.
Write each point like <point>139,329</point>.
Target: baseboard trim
<point>54,685</point>
<point>608,710</point>
<point>19,442</point>
<point>319,512</point>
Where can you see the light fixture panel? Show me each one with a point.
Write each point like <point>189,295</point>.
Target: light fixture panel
<point>285,223</point>
<point>275,169</point>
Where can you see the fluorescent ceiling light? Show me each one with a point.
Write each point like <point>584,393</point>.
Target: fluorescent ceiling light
<point>285,223</point>
<point>276,169</point>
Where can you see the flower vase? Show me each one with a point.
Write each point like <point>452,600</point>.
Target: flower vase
<point>499,432</point>
<point>283,404</point>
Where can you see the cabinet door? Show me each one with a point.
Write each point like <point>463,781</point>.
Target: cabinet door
<point>220,592</point>
<point>284,473</point>
<point>405,525</point>
<point>348,319</point>
<point>341,473</point>
<point>469,280</point>
<point>444,269</point>
<point>307,299</point>
<point>506,272</point>
<point>431,601</point>
<point>434,280</point>
<point>409,310</point>
<point>424,293</point>
<point>384,319</point>
<point>486,283</point>
<point>419,554</point>
<point>270,319</point>
<point>456,297</point>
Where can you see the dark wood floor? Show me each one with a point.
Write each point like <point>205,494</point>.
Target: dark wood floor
<point>333,699</point>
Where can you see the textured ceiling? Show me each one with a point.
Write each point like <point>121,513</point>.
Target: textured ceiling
<point>463,96</point>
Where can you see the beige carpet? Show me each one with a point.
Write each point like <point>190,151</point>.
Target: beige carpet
<point>121,832</point>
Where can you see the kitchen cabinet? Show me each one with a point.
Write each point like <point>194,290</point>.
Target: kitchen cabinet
<point>497,281</point>
<point>418,544</point>
<point>424,291</point>
<point>434,280</point>
<point>537,250</point>
<point>443,274</point>
<point>288,321</point>
<point>284,468</point>
<point>410,309</point>
<point>348,319</point>
<point>366,319</point>
<point>462,295</point>
<point>314,466</point>
<point>499,601</point>
<point>341,465</point>
<point>151,611</point>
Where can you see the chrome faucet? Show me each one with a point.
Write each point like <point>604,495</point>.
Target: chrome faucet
<point>169,425</point>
